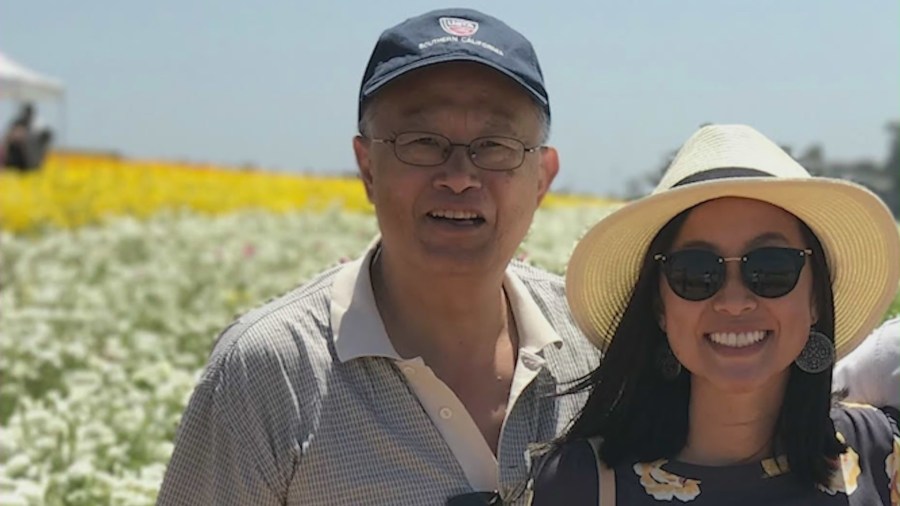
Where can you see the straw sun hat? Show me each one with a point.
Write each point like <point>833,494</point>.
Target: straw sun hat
<point>856,230</point>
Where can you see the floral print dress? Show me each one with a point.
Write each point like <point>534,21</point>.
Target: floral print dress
<point>868,474</point>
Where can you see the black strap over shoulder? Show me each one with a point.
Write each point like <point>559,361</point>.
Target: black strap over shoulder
<point>567,475</point>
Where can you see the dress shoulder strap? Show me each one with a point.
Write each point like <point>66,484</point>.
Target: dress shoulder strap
<point>606,477</point>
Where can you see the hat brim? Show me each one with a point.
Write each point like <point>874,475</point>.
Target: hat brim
<point>855,228</point>
<point>456,56</point>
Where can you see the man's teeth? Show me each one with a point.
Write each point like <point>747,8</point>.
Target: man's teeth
<point>737,339</point>
<point>454,215</point>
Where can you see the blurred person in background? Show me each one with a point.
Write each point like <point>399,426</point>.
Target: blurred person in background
<point>24,146</point>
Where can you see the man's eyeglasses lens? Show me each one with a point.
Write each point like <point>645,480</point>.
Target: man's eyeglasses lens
<point>697,274</point>
<point>490,153</point>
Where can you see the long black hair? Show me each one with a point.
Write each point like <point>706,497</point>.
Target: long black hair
<point>643,416</point>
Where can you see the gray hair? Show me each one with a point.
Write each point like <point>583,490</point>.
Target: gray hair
<point>369,111</point>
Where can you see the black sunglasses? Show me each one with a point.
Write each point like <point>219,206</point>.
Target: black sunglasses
<point>697,274</point>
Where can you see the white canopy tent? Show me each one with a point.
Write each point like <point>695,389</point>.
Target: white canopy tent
<point>18,82</point>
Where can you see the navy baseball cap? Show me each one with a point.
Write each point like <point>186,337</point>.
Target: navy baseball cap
<point>449,35</point>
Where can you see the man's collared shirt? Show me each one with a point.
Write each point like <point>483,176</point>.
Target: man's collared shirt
<point>305,401</point>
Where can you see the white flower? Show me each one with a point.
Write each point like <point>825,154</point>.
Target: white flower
<point>106,330</point>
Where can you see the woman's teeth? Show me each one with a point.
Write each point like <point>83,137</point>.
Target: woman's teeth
<point>737,339</point>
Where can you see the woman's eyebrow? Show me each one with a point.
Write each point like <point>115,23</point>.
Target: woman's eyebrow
<point>760,240</point>
<point>699,243</point>
<point>766,238</point>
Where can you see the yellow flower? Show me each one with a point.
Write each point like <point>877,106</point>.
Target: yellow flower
<point>892,467</point>
<point>844,478</point>
<point>72,190</point>
<point>663,485</point>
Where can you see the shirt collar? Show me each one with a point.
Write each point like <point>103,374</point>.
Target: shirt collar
<point>535,332</point>
<point>359,330</point>
<point>355,322</point>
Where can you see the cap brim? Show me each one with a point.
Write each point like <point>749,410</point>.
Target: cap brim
<point>857,232</point>
<point>376,85</point>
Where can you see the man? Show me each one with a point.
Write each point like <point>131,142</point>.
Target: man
<point>422,372</point>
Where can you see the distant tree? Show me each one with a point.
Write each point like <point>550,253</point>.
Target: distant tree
<point>892,167</point>
<point>643,184</point>
<point>813,159</point>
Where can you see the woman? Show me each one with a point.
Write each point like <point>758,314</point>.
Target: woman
<point>721,302</point>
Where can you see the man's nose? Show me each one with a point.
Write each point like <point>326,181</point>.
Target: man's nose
<point>458,173</point>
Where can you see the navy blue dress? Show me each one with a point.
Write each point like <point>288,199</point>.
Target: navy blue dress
<point>869,474</point>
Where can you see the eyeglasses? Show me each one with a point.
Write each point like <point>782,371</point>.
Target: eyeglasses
<point>697,274</point>
<point>425,149</point>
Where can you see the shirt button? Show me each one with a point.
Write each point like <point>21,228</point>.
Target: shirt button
<point>446,413</point>
<point>530,362</point>
<point>409,370</point>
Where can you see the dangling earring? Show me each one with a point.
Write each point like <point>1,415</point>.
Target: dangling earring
<point>817,354</point>
<point>666,362</point>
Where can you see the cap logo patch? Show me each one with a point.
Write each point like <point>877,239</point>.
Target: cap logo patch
<point>459,27</point>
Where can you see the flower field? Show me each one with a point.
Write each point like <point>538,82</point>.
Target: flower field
<point>115,278</point>
<point>74,190</point>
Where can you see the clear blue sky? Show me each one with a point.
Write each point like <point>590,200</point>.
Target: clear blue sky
<point>275,82</point>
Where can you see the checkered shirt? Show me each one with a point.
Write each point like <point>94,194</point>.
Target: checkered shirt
<point>277,418</point>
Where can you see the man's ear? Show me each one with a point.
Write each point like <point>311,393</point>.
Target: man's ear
<point>361,148</point>
<point>548,169</point>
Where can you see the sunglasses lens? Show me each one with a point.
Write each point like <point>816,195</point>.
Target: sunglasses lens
<point>694,274</point>
<point>772,272</point>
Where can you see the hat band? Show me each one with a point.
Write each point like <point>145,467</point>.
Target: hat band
<point>721,173</point>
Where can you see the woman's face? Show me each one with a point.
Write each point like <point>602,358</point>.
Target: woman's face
<point>736,340</point>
